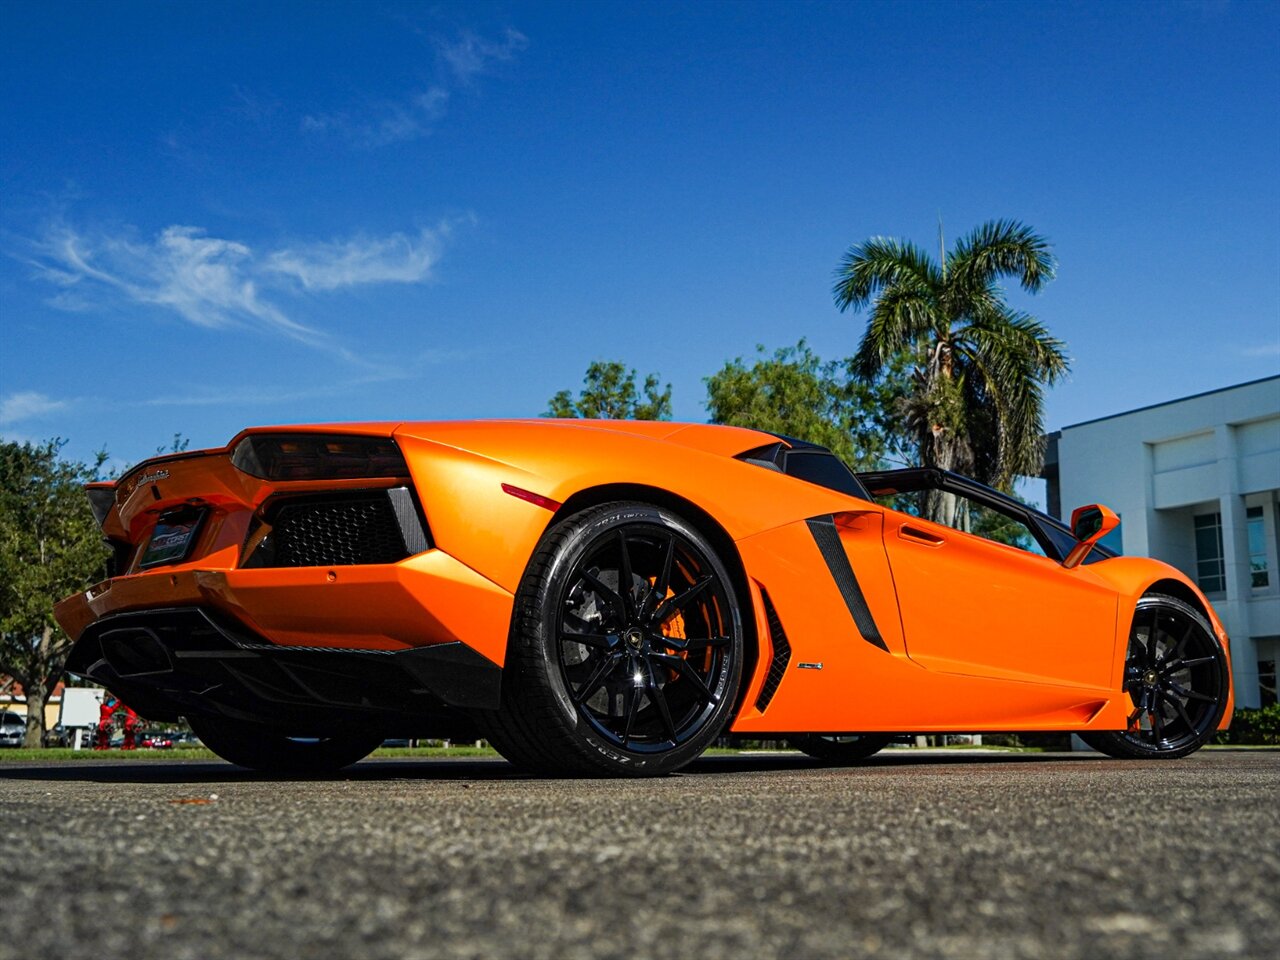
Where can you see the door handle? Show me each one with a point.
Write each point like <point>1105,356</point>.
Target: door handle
<point>908,532</point>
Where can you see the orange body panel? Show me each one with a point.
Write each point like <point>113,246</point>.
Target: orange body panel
<point>972,635</point>
<point>987,609</point>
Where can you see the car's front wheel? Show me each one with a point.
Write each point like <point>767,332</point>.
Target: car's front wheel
<point>1175,673</point>
<point>258,747</point>
<point>626,648</point>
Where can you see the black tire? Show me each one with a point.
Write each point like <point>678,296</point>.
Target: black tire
<point>612,680</point>
<point>1176,676</point>
<point>839,750</point>
<point>262,748</point>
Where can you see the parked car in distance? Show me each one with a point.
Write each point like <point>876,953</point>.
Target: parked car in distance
<point>13,729</point>
<point>58,736</point>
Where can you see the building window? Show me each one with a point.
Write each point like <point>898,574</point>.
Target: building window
<point>1267,681</point>
<point>1257,547</point>
<point>1210,572</point>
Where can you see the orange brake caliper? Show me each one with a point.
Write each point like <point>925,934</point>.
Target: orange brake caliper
<point>673,628</point>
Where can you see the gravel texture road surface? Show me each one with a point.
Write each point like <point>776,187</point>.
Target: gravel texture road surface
<point>911,855</point>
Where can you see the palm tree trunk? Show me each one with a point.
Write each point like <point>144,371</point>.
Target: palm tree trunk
<point>941,505</point>
<point>943,445</point>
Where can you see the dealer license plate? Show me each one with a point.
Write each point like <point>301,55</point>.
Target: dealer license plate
<point>172,539</point>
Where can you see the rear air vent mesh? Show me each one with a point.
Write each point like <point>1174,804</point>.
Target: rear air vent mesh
<point>337,530</point>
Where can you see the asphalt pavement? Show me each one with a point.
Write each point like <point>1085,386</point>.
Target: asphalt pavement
<point>910,855</point>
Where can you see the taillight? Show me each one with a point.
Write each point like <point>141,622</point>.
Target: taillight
<point>317,456</point>
<point>102,497</point>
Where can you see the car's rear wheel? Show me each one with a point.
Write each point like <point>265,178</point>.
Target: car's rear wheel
<point>1175,673</point>
<point>845,749</point>
<point>626,648</point>
<point>259,747</point>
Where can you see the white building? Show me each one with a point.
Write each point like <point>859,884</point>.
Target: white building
<point>1196,483</point>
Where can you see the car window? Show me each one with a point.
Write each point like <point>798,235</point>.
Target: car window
<point>969,516</point>
<point>995,526</point>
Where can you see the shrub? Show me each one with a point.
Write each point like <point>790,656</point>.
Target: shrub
<point>1254,727</point>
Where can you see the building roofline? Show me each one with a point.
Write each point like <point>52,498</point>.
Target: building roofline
<point>1166,403</point>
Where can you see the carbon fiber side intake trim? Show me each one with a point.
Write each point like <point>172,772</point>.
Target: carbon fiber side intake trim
<point>828,540</point>
<point>781,654</point>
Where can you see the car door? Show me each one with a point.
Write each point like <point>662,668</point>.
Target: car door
<point>977,607</point>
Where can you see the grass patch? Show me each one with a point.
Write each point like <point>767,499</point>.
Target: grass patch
<point>404,752</point>
<point>996,747</point>
<point>22,754</point>
<point>193,752</point>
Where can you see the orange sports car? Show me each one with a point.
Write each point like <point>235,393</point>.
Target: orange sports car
<point>609,597</point>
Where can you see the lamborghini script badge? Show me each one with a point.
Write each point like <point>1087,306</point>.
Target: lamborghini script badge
<point>152,477</point>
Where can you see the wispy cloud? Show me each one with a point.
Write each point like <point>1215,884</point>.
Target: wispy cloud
<point>205,280</point>
<point>219,283</point>
<point>469,56</point>
<point>27,405</point>
<point>459,62</point>
<point>398,258</point>
<point>384,123</point>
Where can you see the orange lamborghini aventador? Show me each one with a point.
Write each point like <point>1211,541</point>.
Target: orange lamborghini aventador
<point>608,597</point>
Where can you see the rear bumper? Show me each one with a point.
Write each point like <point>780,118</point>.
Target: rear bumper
<point>377,644</point>
<point>189,661</point>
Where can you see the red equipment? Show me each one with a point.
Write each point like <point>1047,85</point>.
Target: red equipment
<point>106,723</point>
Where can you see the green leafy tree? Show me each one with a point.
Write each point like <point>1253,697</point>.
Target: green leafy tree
<point>50,547</point>
<point>179,444</point>
<point>610,393</point>
<point>979,367</point>
<point>794,393</point>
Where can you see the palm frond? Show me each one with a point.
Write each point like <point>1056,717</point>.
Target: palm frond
<point>983,423</point>
<point>880,264</point>
<point>1008,391</point>
<point>902,315</point>
<point>1002,248</point>
<point>1022,435</point>
<point>1013,331</point>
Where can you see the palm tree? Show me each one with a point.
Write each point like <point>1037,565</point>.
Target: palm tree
<point>975,400</point>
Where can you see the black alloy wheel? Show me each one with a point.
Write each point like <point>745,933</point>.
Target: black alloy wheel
<point>1176,677</point>
<point>262,748</point>
<point>627,646</point>
<point>841,749</point>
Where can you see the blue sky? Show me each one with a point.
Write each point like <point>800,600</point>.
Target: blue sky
<point>219,215</point>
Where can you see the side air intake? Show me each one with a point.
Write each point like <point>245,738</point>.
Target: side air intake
<point>781,654</point>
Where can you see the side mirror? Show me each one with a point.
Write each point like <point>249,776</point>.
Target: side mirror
<point>1089,525</point>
